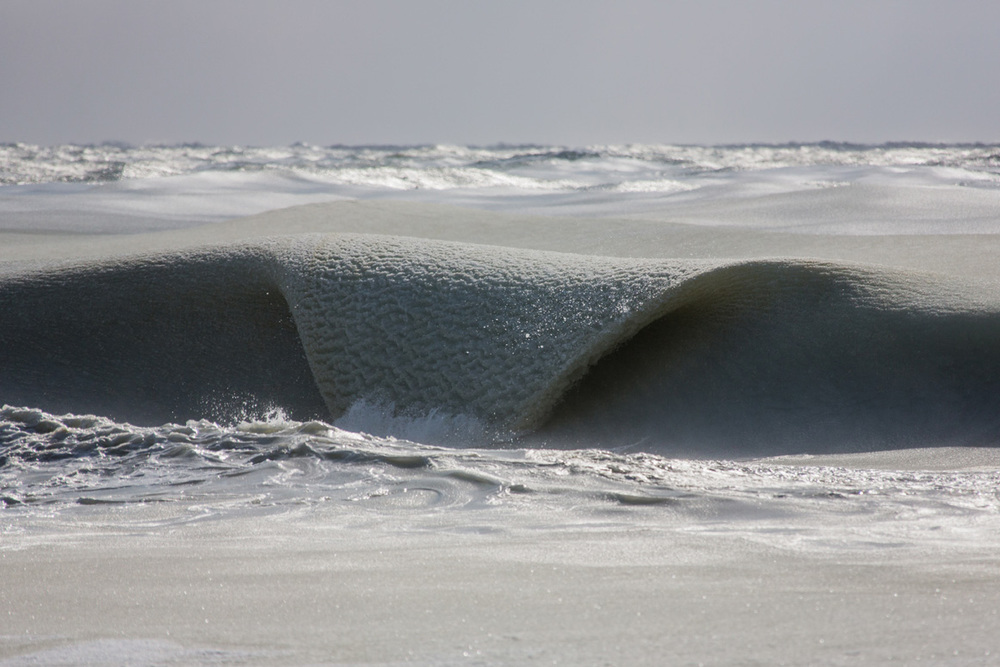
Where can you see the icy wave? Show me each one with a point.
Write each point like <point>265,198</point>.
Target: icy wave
<point>734,358</point>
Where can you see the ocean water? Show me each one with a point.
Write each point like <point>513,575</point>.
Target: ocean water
<point>685,301</point>
<point>795,346</point>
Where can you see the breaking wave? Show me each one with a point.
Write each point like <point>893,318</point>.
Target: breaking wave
<point>480,345</point>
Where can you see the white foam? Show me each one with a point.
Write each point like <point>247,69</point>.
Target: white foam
<point>435,427</point>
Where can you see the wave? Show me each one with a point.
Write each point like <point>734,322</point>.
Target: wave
<point>674,356</point>
<point>467,166</point>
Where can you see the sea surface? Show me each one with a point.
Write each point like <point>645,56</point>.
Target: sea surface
<point>797,345</point>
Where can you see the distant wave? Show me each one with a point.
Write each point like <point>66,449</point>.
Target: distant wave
<point>735,357</point>
<point>446,166</point>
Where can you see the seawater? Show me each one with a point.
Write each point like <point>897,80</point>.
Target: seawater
<point>70,467</point>
<point>924,218</point>
<point>114,187</point>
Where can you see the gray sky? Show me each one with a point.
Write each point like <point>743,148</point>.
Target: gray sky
<point>545,71</point>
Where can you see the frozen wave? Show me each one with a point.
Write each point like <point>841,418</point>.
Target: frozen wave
<point>701,357</point>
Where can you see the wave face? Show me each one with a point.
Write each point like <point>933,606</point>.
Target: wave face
<point>672,356</point>
<point>154,339</point>
<point>772,358</point>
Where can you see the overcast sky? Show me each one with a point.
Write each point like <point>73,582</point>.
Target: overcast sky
<point>475,72</point>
